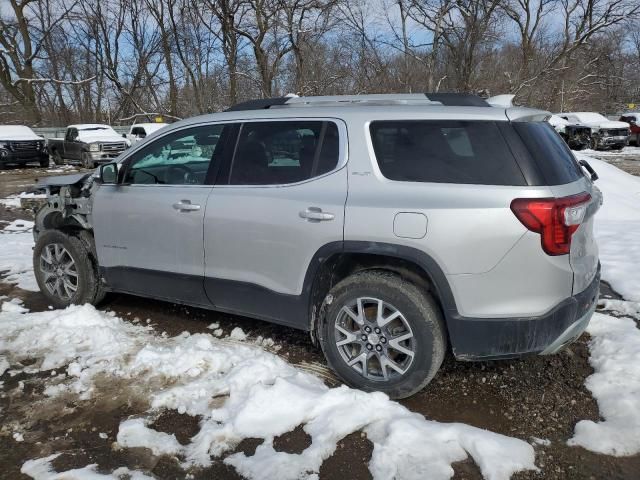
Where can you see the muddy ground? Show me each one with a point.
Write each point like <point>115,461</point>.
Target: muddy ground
<point>539,397</point>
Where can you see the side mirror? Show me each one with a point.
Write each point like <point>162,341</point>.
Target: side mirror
<point>124,135</point>
<point>108,173</point>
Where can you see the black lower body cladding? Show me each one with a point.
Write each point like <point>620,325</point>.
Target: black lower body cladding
<point>495,338</point>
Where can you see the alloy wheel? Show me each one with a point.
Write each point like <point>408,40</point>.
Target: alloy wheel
<point>375,339</point>
<point>59,271</point>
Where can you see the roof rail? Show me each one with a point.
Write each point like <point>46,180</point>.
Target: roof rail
<point>425,99</point>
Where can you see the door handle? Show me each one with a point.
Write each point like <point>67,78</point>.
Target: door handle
<point>186,206</point>
<point>315,214</point>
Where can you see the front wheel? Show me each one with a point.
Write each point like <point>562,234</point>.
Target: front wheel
<point>382,333</point>
<point>64,270</point>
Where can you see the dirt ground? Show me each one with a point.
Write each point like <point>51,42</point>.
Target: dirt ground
<point>539,397</point>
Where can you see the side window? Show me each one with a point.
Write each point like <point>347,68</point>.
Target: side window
<point>276,153</point>
<point>72,134</point>
<point>180,158</point>
<point>446,151</point>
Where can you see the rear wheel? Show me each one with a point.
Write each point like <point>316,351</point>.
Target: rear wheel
<point>382,333</point>
<point>64,270</point>
<point>44,163</point>
<point>86,161</point>
<point>57,158</point>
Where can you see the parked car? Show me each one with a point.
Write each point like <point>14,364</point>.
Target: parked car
<point>633,119</point>
<point>19,145</point>
<point>605,134</point>
<point>578,137</point>
<point>90,144</point>
<point>391,227</point>
<point>140,131</point>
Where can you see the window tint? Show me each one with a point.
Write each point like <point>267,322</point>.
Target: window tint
<point>444,152</point>
<point>275,153</point>
<point>180,158</point>
<point>550,152</point>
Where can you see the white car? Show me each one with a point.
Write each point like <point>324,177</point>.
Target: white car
<point>140,131</point>
<point>605,133</point>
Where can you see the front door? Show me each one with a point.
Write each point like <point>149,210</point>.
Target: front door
<point>149,229</point>
<point>279,203</point>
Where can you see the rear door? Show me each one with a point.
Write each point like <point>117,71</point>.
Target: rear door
<point>149,230</point>
<point>281,201</point>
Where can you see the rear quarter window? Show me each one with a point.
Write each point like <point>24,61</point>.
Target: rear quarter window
<point>467,152</point>
<point>549,151</point>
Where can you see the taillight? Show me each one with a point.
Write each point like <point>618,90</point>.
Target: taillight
<point>555,219</point>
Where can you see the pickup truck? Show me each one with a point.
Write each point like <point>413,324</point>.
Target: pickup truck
<point>604,132</point>
<point>19,145</point>
<point>89,144</point>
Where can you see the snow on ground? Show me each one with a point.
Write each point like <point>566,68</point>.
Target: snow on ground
<point>617,228</point>
<point>41,469</point>
<point>240,391</point>
<point>615,384</point>
<point>16,265</point>
<point>13,201</point>
<point>625,152</point>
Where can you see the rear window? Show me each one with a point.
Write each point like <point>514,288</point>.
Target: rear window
<point>550,152</point>
<point>468,152</point>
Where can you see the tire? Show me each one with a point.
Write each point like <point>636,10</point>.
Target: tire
<point>593,143</point>
<point>89,243</point>
<point>48,253</point>
<point>419,322</point>
<point>44,163</point>
<point>57,159</point>
<point>86,161</point>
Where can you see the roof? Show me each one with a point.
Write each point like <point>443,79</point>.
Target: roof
<point>424,99</point>
<point>150,124</point>
<point>81,126</point>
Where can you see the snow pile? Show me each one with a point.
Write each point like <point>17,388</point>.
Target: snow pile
<point>621,307</point>
<point>13,201</point>
<point>241,391</point>
<point>617,228</point>
<point>41,469</point>
<point>615,357</point>
<point>15,254</point>
<point>81,338</point>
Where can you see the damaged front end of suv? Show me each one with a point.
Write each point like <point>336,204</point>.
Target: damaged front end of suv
<point>68,205</point>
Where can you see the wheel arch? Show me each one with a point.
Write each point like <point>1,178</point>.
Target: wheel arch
<point>336,261</point>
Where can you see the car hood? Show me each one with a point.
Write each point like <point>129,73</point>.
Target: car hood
<point>62,180</point>
<point>101,138</point>
<point>20,138</point>
<point>605,124</point>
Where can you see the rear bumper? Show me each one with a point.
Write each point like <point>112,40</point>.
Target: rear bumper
<point>487,339</point>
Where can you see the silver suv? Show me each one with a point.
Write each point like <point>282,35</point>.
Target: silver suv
<point>393,228</point>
